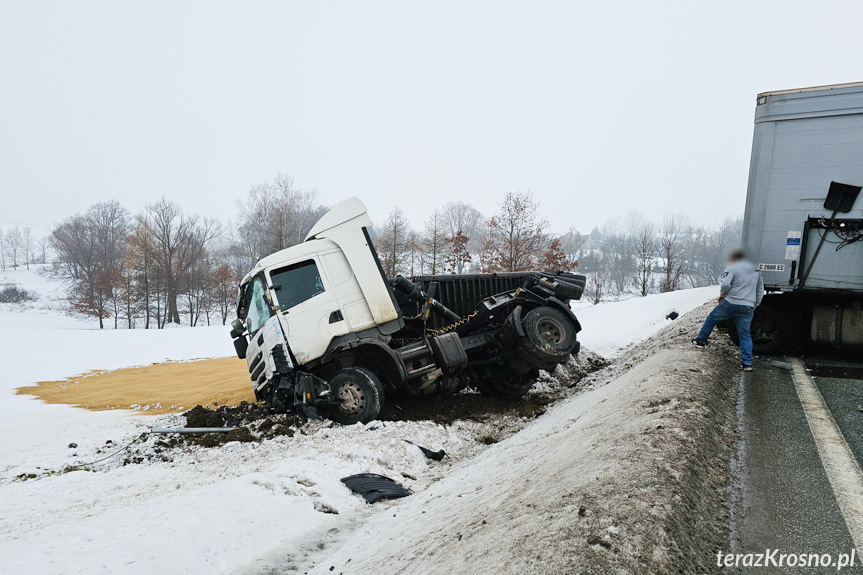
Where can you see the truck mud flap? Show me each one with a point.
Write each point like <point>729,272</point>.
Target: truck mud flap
<point>512,328</point>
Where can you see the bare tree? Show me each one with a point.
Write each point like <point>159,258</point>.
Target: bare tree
<point>516,235</point>
<point>92,248</point>
<point>275,215</point>
<point>644,243</point>
<point>42,245</point>
<point>618,253</point>
<point>14,240</point>
<point>179,244</point>
<point>416,256</point>
<point>27,244</point>
<point>707,250</point>
<point>434,242</point>
<point>197,283</point>
<point>223,291</point>
<point>598,278</point>
<point>464,218</point>
<point>394,243</point>
<point>671,251</point>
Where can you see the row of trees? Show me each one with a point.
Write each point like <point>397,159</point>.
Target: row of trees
<point>637,254</point>
<point>624,255</point>
<point>146,267</point>
<point>164,266</point>
<point>19,247</point>
<point>457,238</point>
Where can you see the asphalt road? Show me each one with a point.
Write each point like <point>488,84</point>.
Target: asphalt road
<point>781,496</point>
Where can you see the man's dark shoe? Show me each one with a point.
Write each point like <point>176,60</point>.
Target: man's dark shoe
<point>697,343</point>
<point>745,367</point>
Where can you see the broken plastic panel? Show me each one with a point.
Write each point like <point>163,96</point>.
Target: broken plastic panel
<point>373,487</point>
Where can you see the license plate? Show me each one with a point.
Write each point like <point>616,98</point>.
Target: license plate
<point>771,267</point>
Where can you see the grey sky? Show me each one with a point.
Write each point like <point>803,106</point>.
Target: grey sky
<point>599,108</point>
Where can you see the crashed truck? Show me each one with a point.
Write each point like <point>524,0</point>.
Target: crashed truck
<point>325,332</point>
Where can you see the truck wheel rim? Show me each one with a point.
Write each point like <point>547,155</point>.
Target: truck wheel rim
<point>351,398</point>
<point>550,331</point>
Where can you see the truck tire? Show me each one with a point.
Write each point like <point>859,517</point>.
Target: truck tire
<point>507,384</point>
<point>549,338</point>
<point>357,396</point>
<point>566,290</point>
<point>577,279</point>
<point>775,329</point>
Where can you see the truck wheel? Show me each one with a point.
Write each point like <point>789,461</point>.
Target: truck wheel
<point>774,330</point>
<point>577,279</point>
<point>549,338</point>
<point>507,385</point>
<point>357,396</point>
<point>567,290</point>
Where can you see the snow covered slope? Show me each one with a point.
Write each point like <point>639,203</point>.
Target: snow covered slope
<point>609,481</point>
<point>607,328</point>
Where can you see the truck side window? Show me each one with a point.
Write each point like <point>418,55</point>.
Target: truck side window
<point>297,283</point>
<point>257,306</point>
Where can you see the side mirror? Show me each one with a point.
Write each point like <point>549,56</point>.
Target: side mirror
<point>239,327</point>
<point>241,344</point>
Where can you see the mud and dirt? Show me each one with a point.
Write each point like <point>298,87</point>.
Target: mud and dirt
<point>159,388</point>
<point>465,406</point>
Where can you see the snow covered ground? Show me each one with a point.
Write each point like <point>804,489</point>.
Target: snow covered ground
<point>236,508</point>
<point>40,343</point>
<point>608,328</point>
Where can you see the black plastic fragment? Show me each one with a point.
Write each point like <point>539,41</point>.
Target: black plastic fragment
<point>306,412</point>
<point>672,316</point>
<point>436,455</point>
<point>373,487</point>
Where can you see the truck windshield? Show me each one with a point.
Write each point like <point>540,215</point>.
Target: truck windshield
<point>257,306</point>
<point>296,283</point>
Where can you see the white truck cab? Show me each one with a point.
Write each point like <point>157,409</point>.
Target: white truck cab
<point>316,324</point>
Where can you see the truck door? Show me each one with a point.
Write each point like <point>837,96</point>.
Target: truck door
<point>309,307</point>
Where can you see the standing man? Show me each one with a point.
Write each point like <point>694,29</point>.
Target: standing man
<point>740,293</point>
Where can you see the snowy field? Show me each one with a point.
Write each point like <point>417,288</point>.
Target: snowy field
<point>237,508</point>
<point>608,328</point>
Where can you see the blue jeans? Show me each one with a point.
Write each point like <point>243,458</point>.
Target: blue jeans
<point>741,315</point>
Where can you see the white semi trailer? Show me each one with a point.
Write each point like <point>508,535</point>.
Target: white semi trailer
<point>323,329</point>
<point>803,223</point>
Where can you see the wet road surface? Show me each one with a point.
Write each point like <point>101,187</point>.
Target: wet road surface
<point>781,495</point>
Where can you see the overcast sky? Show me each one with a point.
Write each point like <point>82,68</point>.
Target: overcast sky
<point>598,108</point>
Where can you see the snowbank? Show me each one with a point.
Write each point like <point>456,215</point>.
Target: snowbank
<point>627,478</point>
<point>608,328</point>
